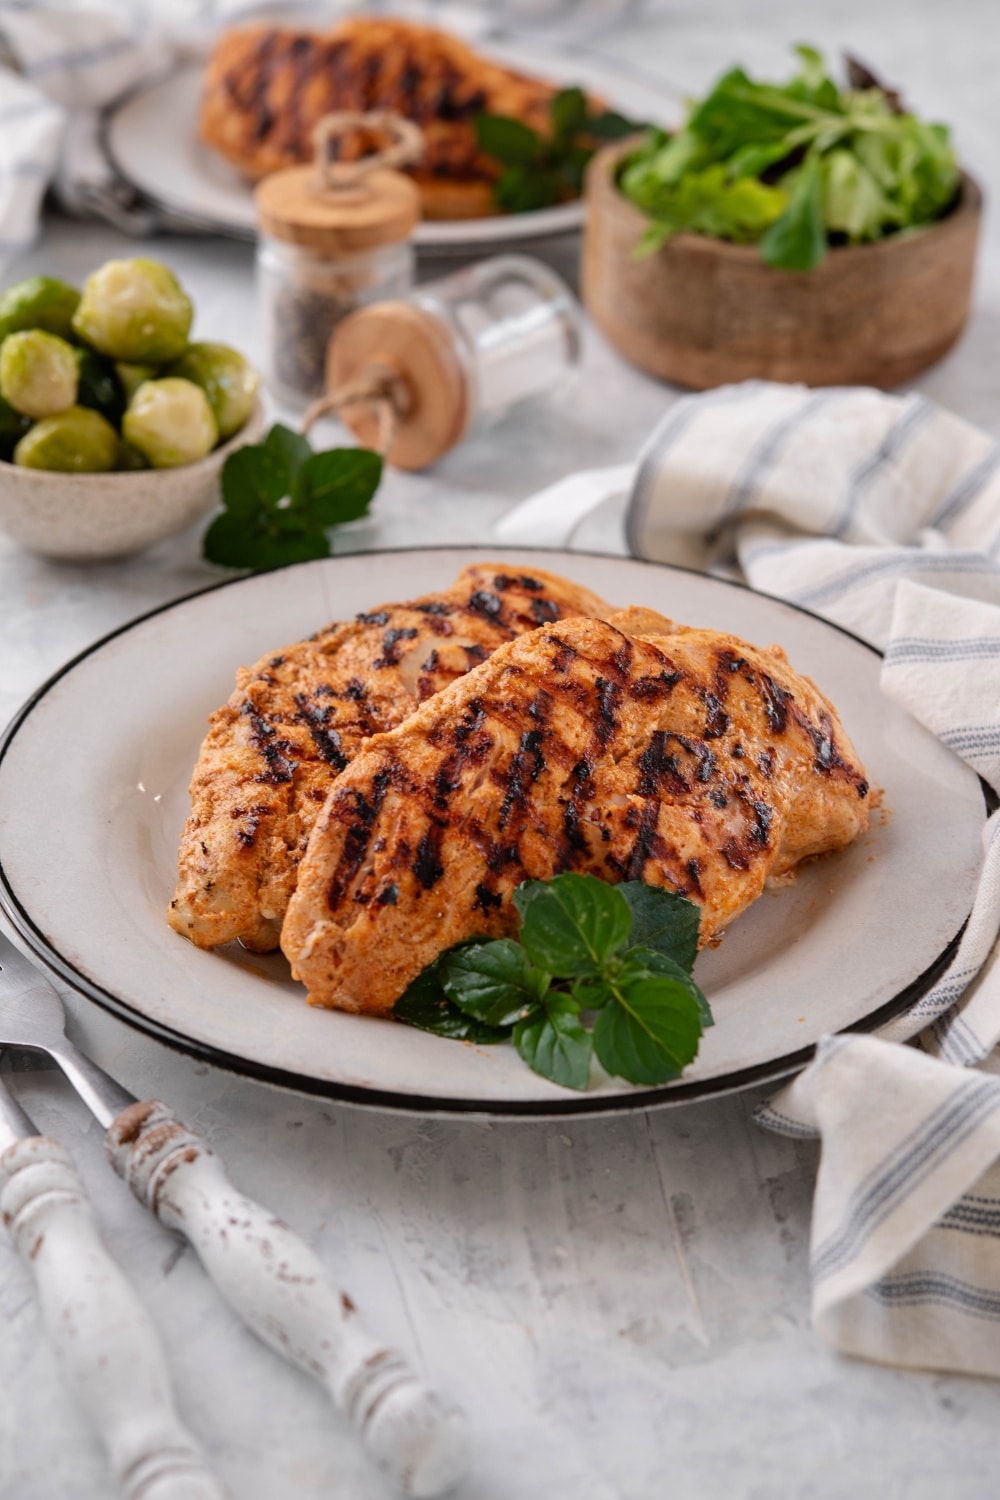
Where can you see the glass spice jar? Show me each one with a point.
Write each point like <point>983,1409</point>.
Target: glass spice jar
<point>333,237</point>
<point>412,376</point>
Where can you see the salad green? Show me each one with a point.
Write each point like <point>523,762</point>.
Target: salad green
<point>794,167</point>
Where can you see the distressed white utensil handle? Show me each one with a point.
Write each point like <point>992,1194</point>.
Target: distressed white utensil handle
<point>279,1287</point>
<point>103,1336</point>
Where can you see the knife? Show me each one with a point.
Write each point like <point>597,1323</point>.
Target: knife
<point>103,1336</point>
<point>265,1272</point>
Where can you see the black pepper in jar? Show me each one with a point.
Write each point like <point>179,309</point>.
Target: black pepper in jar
<point>333,237</point>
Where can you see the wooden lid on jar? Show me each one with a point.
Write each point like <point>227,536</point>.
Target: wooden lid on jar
<point>343,207</point>
<point>381,210</point>
<point>406,350</point>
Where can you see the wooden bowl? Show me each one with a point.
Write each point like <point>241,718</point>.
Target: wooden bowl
<point>702,312</point>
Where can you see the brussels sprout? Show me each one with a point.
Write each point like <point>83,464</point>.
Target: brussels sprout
<point>132,376</point>
<point>171,422</point>
<point>229,381</point>
<point>77,441</point>
<point>38,373</point>
<point>131,458</point>
<point>38,302</point>
<point>13,426</point>
<point>100,388</point>
<point>134,310</point>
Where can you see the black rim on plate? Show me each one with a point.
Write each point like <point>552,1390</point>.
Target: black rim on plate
<point>50,956</point>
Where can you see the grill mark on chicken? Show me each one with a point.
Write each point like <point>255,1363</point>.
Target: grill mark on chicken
<point>601,773</point>
<point>247,835</point>
<point>358,835</point>
<point>263,737</point>
<point>487,900</point>
<point>427,866</point>
<point>717,721</point>
<point>649,689</point>
<point>392,649</point>
<point>325,738</point>
<point>485,603</point>
<point>526,767</point>
<point>299,717</point>
<point>776,699</point>
<point>659,769</point>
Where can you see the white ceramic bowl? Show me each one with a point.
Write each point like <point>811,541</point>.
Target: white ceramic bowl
<point>98,517</point>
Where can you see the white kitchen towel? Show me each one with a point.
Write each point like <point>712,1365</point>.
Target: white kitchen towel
<point>883,514</point>
<point>62,64</point>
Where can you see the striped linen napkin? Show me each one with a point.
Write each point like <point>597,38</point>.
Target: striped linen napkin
<point>883,514</point>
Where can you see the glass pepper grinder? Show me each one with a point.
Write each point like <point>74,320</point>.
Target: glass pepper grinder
<point>410,377</point>
<point>333,237</point>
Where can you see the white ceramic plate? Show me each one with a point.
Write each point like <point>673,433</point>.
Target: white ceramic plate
<point>151,140</point>
<point>93,778</point>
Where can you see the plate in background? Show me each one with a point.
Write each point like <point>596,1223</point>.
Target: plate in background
<point>151,140</point>
<point>93,794</point>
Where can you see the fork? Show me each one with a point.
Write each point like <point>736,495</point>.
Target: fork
<point>267,1274</point>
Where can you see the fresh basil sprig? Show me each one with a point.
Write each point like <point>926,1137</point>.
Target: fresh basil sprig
<point>540,170</point>
<point>595,969</point>
<point>281,498</point>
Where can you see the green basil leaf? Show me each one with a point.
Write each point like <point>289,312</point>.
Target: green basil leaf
<point>650,1032</point>
<point>425,1005</point>
<point>590,994</point>
<point>521,190</point>
<point>664,921</point>
<point>797,241</point>
<point>508,141</point>
<point>647,960</point>
<point>611,126</point>
<point>568,113</point>
<point>495,982</point>
<point>572,923</point>
<point>337,485</point>
<point>254,479</point>
<point>554,1043</point>
<point>256,542</point>
<point>290,447</point>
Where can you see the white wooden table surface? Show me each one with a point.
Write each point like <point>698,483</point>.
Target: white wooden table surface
<point>621,1304</point>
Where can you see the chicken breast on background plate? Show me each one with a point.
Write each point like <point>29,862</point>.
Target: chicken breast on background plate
<point>629,748</point>
<point>298,717</point>
<point>266,88</point>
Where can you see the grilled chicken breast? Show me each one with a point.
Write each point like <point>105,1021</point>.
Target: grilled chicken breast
<point>266,88</point>
<point>299,716</point>
<point>629,749</point>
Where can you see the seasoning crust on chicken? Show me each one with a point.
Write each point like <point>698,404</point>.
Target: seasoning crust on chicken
<point>298,717</point>
<point>630,749</point>
<point>266,88</point>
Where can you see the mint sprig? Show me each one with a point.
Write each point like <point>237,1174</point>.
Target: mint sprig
<point>540,170</point>
<point>595,970</point>
<point>281,499</point>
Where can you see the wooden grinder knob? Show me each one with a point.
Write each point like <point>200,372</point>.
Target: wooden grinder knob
<point>406,349</point>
